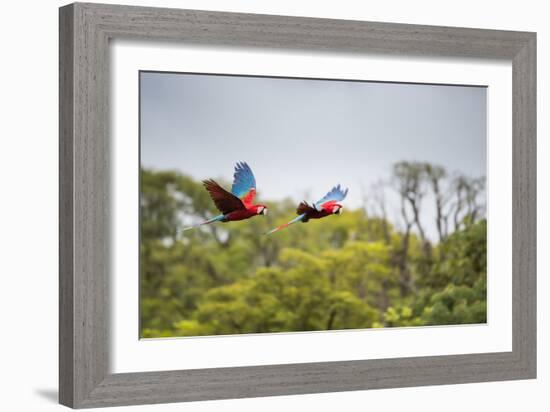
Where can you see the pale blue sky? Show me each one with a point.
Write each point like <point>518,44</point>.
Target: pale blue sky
<point>301,137</point>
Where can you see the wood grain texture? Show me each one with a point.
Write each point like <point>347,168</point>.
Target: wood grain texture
<point>524,205</point>
<point>84,176</point>
<point>85,31</point>
<point>66,228</point>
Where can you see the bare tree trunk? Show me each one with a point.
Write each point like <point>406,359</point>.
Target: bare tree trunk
<point>416,215</point>
<point>458,209</point>
<point>439,204</point>
<point>331,318</point>
<point>436,175</point>
<point>405,281</point>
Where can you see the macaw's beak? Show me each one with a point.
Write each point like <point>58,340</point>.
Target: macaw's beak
<point>264,211</point>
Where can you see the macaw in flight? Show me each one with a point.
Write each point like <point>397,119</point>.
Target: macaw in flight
<point>328,205</point>
<point>237,205</point>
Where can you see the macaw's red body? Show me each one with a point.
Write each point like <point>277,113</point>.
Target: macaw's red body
<point>309,212</point>
<point>233,208</point>
<point>237,204</point>
<point>327,206</point>
<point>239,215</point>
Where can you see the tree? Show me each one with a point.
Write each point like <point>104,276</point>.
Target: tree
<point>410,182</point>
<point>468,207</point>
<point>356,270</point>
<point>436,176</point>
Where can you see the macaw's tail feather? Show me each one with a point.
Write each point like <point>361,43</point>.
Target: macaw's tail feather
<point>214,219</point>
<point>296,219</point>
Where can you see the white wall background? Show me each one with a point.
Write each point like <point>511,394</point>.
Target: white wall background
<point>28,206</point>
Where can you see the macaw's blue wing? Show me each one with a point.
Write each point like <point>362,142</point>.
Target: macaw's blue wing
<point>336,194</point>
<point>244,183</point>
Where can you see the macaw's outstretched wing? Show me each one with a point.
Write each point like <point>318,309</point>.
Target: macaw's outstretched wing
<point>244,183</point>
<point>224,201</point>
<point>304,208</point>
<point>336,194</point>
<point>296,219</point>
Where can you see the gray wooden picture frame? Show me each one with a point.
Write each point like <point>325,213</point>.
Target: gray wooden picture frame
<point>85,31</point>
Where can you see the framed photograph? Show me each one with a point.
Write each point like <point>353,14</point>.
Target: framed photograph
<point>258,205</point>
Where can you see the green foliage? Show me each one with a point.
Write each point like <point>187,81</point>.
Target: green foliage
<point>342,272</point>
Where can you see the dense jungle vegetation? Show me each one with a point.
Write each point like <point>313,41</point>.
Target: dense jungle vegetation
<point>361,269</point>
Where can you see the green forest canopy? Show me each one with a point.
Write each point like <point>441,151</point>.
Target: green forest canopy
<point>356,270</point>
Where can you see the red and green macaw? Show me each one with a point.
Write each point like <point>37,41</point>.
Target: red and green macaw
<point>328,205</point>
<point>237,205</point>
